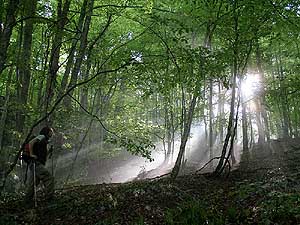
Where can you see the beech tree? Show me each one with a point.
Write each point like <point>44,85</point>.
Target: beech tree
<point>127,75</point>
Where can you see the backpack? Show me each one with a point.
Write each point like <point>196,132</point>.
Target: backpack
<point>25,154</point>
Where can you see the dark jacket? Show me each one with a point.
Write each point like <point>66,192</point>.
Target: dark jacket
<point>40,149</point>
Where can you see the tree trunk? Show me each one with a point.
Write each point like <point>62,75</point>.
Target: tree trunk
<point>6,31</point>
<point>221,113</point>
<point>168,132</point>
<point>185,136</point>
<point>70,62</point>
<point>4,108</point>
<point>230,128</point>
<point>251,133</point>
<point>261,132</point>
<point>283,100</point>
<point>262,92</point>
<point>25,65</point>
<point>296,113</point>
<point>211,154</point>
<point>245,130</point>
<point>62,13</point>
<point>81,50</point>
<point>84,90</point>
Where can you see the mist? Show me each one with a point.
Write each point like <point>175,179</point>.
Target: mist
<point>125,167</point>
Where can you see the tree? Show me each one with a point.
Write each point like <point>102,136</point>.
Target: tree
<point>7,20</point>
<point>24,64</point>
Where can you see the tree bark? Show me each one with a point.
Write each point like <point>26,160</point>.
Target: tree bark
<point>230,128</point>
<point>84,91</point>
<point>24,67</point>
<point>70,62</point>
<point>168,132</point>
<point>211,154</point>
<point>261,132</point>
<point>81,50</point>
<point>283,100</point>
<point>185,136</point>
<point>62,18</point>
<point>6,30</point>
<point>262,91</point>
<point>4,108</point>
<point>245,130</point>
<point>221,113</point>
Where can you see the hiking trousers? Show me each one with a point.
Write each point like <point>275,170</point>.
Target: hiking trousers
<point>41,174</point>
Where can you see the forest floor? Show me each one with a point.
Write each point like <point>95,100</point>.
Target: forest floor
<point>266,190</point>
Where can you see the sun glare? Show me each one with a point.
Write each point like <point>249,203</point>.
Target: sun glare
<point>250,85</point>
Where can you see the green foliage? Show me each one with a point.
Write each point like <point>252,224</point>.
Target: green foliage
<point>280,208</point>
<point>194,213</point>
<point>109,221</point>
<point>8,219</point>
<point>137,146</point>
<point>266,207</point>
<point>165,40</point>
<point>139,221</point>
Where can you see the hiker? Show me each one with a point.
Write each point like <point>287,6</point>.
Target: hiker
<point>38,148</point>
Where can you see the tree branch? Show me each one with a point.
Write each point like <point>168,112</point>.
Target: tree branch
<point>131,7</point>
<point>11,167</point>
<point>281,14</point>
<point>93,115</point>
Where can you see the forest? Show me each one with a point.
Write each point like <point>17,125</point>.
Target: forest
<point>163,112</point>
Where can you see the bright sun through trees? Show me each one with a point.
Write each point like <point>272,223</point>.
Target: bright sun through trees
<point>149,89</point>
<point>250,86</point>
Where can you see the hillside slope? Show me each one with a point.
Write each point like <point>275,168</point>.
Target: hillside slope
<point>266,190</point>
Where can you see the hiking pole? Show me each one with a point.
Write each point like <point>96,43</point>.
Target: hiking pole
<point>51,152</point>
<point>52,168</point>
<point>34,185</point>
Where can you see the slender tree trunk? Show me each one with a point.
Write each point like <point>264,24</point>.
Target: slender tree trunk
<point>204,113</point>
<point>172,147</point>
<point>231,148</point>
<point>261,132</point>
<point>265,119</point>
<point>296,129</point>
<point>6,30</point>
<point>251,133</point>
<point>245,130</point>
<point>25,65</point>
<point>221,119</point>
<point>283,101</point>
<point>4,108</point>
<point>188,117</point>
<point>44,67</point>
<point>221,113</point>
<point>81,50</point>
<point>207,43</point>
<point>70,62</point>
<point>168,132</point>
<point>262,92</point>
<point>230,128</point>
<point>84,90</point>
<point>2,9</point>
<point>185,136</point>
<point>211,153</point>
<point>89,62</point>
<point>62,13</point>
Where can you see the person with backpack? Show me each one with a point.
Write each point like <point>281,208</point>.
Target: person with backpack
<point>38,150</point>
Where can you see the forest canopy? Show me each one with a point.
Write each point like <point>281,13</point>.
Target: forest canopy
<point>140,75</point>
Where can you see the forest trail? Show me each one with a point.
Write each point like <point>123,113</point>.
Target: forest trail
<point>263,191</point>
